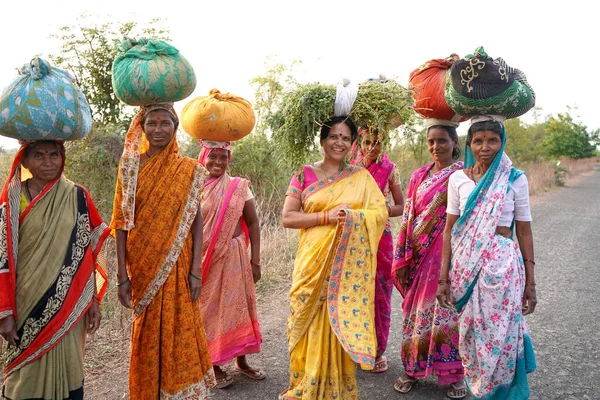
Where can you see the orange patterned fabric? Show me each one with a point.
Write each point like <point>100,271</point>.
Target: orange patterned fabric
<point>169,354</point>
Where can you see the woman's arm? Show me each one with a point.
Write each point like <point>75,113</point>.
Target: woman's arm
<point>443,293</point>
<point>525,238</point>
<point>253,223</point>
<point>293,218</point>
<point>398,207</point>
<point>195,275</point>
<point>123,283</point>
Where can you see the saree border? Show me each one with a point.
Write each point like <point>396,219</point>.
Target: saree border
<point>324,183</point>
<point>187,218</point>
<point>198,390</point>
<point>51,303</point>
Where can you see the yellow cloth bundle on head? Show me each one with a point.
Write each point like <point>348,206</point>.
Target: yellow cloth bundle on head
<point>218,116</point>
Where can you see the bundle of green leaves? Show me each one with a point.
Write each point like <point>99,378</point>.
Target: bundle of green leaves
<point>381,106</point>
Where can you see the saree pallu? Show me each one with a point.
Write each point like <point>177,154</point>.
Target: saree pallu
<point>228,299</point>
<point>331,324</point>
<point>48,264</point>
<point>169,355</point>
<point>487,281</point>
<point>429,333</point>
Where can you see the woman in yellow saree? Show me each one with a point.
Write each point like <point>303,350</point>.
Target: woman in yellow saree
<point>158,226</point>
<point>342,214</point>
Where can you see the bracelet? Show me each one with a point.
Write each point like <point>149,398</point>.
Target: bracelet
<point>325,218</point>
<point>194,276</point>
<point>123,282</point>
<point>530,284</point>
<point>443,281</point>
<point>254,264</point>
<point>96,299</point>
<point>529,260</point>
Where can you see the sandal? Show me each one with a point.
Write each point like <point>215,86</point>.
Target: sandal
<point>224,381</point>
<point>404,385</point>
<point>251,373</point>
<point>456,388</point>
<point>381,365</point>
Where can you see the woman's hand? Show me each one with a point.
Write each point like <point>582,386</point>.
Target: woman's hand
<point>529,300</point>
<point>8,330</point>
<point>444,297</point>
<point>256,272</point>
<point>402,278</point>
<point>195,286</point>
<point>94,316</point>
<point>124,293</point>
<point>337,213</point>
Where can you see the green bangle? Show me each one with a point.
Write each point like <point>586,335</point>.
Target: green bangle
<point>194,276</point>
<point>124,282</point>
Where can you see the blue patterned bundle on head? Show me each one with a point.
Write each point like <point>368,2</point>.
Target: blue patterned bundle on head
<point>43,103</point>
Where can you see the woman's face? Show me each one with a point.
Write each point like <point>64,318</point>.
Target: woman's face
<point>44,162</point>
<point>370,146</point>
<point>217,162</point>
<point>159,128</point>
<point>485,145</point>
<point>338,143</point>
<point>440,145</point>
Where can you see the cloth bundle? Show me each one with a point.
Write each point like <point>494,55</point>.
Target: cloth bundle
<point>428,84</point>
<point>480,85</point>
<point>150,71</point>
<point>218,117</point>
<point>43,103</point>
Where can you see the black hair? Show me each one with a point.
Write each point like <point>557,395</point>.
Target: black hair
<point>482,126</point>
<point>29,149</point>
<point>326,128</point>
<point>451,131</point>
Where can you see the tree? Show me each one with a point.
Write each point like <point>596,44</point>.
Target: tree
<point>88,48</point>
<point>566,138</point>
<point>525,143</point>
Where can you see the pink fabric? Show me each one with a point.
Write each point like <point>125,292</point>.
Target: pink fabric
<point>228,299</point>
<point>430,333</point>
<point>206,150</point>
<point>383,281</point>
<point>309,178</point>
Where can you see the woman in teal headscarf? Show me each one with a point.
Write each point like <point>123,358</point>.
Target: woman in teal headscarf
<point>486,275</point>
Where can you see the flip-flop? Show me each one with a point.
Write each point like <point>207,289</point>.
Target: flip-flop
<point>381,365</point>
<point>252,373</point>
<point>225,381</point>
<point>399,384</point>
<point>455,389</point>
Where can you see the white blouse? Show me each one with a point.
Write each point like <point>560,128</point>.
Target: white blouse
<point>516,202</point>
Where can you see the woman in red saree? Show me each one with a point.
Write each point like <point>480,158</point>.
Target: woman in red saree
<point>51,280</point>
<point>386,176</point>
<point>228,300</point>
<point>158,226</point>
<point>429,333</point>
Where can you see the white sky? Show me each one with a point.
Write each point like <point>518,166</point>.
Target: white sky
<point>227,42</point>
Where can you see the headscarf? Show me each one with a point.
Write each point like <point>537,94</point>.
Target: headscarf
<point>136,144</point>
<point>207,146</point>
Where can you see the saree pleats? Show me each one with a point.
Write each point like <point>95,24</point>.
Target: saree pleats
<point>332,319</point>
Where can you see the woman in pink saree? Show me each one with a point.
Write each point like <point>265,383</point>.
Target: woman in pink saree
<point>228,299</point>
<point>429,333</point>
<point>386,176</point>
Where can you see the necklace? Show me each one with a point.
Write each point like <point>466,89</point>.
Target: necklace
<point>471,175</point>
<point>28,192</point>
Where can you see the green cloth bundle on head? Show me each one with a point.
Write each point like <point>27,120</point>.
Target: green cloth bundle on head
<point>149,71</point>
<point>480,85</point>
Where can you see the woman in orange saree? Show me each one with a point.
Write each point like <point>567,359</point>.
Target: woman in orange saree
<point>51,275</point>
<point>228,300</point>
<point>342,214</point>
<point>158,226</point>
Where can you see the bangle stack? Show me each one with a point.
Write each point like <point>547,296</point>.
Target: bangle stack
<point>325,218</point>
